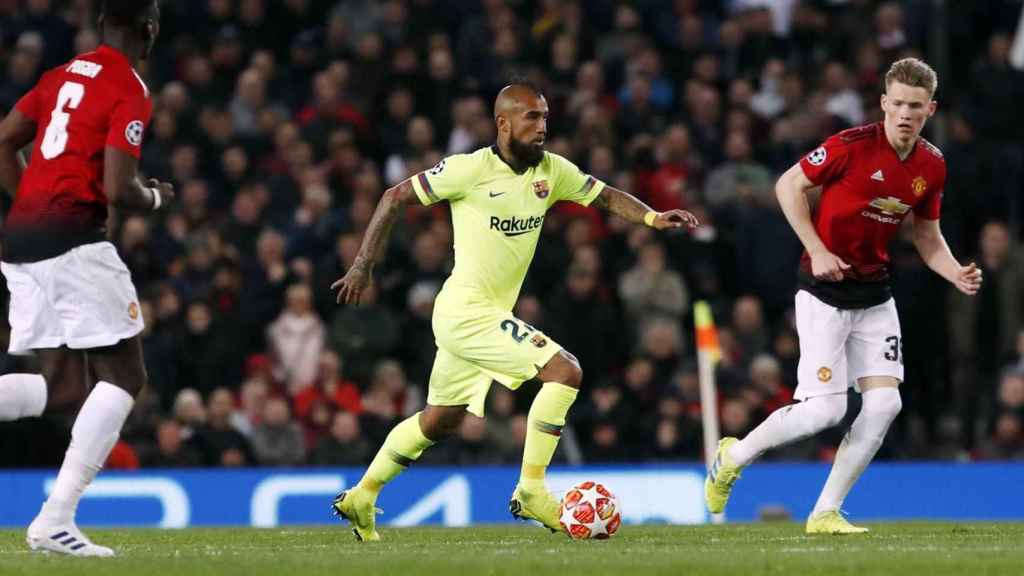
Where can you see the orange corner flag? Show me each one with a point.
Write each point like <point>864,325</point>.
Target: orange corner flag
<point>707,334</point>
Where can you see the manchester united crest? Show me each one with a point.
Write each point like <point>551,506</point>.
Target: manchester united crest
<point>541,189</point>
<point>919,185</point>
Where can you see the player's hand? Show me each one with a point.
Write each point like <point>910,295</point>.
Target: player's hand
<point>164,189</point>
<point>828,267</point>
<point>968,280</point>
<point>352,284</point>
<point>675,219</point>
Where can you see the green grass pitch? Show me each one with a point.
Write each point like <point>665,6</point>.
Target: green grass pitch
<point>906,549</point>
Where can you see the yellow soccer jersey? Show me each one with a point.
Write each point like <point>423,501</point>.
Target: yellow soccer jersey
<point>497,216</point>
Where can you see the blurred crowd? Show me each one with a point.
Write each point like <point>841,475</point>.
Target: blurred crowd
<point>282,122</point>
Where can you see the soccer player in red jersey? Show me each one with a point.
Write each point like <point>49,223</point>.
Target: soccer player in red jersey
<point>872,178</point>
<point>72,298</point>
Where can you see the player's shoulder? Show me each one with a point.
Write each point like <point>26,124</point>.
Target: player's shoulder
<point>553,158</point>
<point>557,164</point>
<point>474,160</point>
<point>933,151</point>
<point>462,164</point>
<point>858,135</point>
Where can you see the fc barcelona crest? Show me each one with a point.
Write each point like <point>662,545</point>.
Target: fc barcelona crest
<point>918,185</point>
<point>540,188</point>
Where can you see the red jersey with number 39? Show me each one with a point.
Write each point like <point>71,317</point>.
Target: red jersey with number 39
<point>94,101</point>
<point>867,192</point>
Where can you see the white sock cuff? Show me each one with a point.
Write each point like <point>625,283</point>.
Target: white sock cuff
<point>113,396</point>
<point>99,422</point>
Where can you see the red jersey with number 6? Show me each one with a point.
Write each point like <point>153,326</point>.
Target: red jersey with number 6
<point>867,192</point>
<point>94,101</point>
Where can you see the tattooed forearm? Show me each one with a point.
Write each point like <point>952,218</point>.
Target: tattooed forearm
<point>378,230</point>
<point>622,204</point>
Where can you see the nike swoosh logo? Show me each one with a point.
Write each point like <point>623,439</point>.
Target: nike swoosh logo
<point>494,194</point>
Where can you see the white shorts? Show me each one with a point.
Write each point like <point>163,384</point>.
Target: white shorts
<point>838,347</point>
<point>82,299</point>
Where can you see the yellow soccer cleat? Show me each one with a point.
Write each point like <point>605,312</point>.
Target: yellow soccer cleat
<point>832,522</point>
<point>540,506</point>
<point>721,476</point>
<point>357,505</point>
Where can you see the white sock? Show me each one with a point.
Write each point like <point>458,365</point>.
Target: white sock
<point>92,437</point>
<point>21,396</point>
<point>790,424</point>
<point>881,405</point>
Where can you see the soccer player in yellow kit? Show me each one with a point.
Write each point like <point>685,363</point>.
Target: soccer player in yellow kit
<point>498,196</point>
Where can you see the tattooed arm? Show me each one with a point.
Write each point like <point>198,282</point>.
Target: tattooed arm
<point>628,207</point>
<point>360,274</point>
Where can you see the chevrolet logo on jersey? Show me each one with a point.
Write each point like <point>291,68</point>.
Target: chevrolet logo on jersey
<point>890,206</point>
<point>516,226</point>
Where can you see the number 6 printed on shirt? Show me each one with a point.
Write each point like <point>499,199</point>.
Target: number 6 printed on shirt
<point>56,137</point>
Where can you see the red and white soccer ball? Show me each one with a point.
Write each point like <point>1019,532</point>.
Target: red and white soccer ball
<point>589,510</point>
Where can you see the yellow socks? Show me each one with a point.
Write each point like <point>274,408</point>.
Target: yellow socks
<point>544,427</point>
<point>404,444</point>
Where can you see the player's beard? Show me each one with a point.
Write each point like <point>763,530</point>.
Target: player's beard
<point>527,155</point>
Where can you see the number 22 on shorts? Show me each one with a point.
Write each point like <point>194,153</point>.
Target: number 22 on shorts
<point>514,328</point>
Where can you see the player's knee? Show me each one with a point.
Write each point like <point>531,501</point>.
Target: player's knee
<point>829,410</point>
<point>134,384</point>
<point>141,383</point>
<point>574,375</point>
<point>564,369</point>
<point>129,376</point>
<point>883,403</point>
<point>443,429</point>
<point>440,424</point>
<point>835,417</point>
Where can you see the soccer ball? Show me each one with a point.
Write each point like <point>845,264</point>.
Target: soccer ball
<point>589,510</point>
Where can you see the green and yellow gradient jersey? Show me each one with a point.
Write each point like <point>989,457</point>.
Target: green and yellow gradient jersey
<point>497,215</point>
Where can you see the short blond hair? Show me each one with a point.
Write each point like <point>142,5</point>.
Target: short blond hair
<point>912,72</point>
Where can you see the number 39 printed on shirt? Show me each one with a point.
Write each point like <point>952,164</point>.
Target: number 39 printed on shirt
<point>55,139</point>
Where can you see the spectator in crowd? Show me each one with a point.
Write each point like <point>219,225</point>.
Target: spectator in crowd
<point>217,441</point>
<point>189,412</point>
<point>650,289</point>
<point>278,440</point>
<point>296,340</point>
<point>171,451</point>
<point>253,396</point>
<point>344,446</point>
<point>748,326</point>
<point>1007,439</point>
<point>363,335</point>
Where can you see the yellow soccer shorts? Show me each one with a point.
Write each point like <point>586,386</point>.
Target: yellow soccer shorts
<point>477,345</point>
